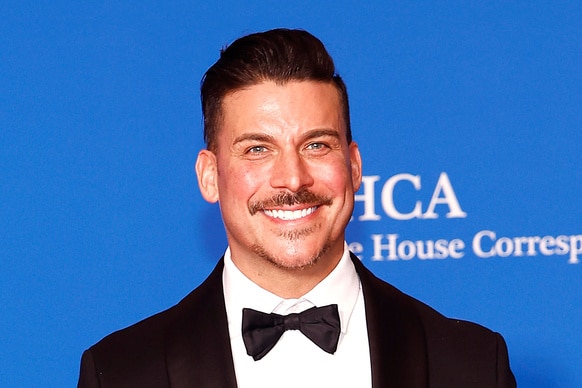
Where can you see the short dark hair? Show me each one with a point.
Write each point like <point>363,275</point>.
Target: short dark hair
<point>279,55</point>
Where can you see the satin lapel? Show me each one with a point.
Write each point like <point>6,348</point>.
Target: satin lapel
<point>395,333</point>
<point>198,350</point>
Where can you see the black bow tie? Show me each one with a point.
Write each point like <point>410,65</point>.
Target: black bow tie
<point>261,331</point>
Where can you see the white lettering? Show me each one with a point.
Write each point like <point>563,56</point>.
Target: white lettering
<point>456,248</point>
<point>506,246</point>
<point>562,243</point>
<point>368,198</point>
<point>378,246</point>
<point>449,198</point>
<point>545,245</point>
<point>575,249</point>
<point>407,249</point>
<point>477,247</point>
<point>388,197</point>
<point>485,244</point>
<point>443,194</point>
<point>519,241</point>
<point>356,248</point>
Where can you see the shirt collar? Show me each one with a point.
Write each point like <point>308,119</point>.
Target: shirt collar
<point>341,287</point>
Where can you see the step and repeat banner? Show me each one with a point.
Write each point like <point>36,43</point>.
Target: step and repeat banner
<point>469,121</point>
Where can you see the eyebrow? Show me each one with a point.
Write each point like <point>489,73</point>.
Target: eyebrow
<point>261,137</point>
<point>321,133</point>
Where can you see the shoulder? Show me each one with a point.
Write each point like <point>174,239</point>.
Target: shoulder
<point>456,350</point>
<point>133,354</point>
<point>140,349</point>
<point>152,329</point>
<point>383,295</point>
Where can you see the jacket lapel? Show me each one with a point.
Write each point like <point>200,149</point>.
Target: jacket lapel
<point>395,333</point>
<point>198,352</point>
<point>198,349</point>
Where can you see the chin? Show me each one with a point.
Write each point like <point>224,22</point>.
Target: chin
<point>297,261</point>
<point>294,264</point>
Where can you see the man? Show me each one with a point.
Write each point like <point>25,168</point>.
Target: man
<point>288,305</point>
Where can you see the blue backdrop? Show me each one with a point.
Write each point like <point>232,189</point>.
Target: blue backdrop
<point>469,119</point>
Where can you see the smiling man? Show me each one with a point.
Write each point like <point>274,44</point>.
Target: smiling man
<point>285,176</point>
<point>288,305</point>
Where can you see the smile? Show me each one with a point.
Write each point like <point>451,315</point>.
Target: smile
<point>290,215</point>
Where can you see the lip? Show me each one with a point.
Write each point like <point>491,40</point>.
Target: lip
<point>288,214</point>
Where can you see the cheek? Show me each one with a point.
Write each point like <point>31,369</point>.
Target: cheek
<point>240,181</point>
<point>335,176</point>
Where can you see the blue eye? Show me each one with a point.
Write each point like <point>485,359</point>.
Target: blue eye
<point>315,146</point>
<point>257,149</point>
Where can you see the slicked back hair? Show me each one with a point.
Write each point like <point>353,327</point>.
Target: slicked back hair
<point>279,55</point>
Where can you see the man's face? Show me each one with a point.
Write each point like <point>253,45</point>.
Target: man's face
<point>283,174</point>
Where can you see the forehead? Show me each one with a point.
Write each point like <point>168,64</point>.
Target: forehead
<point>293,105</point>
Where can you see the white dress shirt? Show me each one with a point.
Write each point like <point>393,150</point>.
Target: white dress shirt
<point>295,361</point>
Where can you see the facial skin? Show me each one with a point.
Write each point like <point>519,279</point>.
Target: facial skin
<point>285,179</point>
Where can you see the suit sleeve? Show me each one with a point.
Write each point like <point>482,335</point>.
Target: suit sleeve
<point>505,378</point>
<point>88,377</point>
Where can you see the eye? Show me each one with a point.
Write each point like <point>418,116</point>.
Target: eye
<point>316,146</point>
<point>256,149</point>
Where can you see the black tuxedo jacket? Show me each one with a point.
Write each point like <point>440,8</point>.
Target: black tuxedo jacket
<point>411,345</point>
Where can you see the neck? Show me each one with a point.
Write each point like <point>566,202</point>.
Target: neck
<point>287,283</point>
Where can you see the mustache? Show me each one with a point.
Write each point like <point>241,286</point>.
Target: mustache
<point>302,197</point>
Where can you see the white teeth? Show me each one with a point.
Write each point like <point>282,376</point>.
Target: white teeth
<point>289,215</point>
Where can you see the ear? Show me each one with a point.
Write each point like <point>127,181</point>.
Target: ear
<point>356,165</point>
<point>207,173</point>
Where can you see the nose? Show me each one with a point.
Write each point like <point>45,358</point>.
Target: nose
<point>291,172</point>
